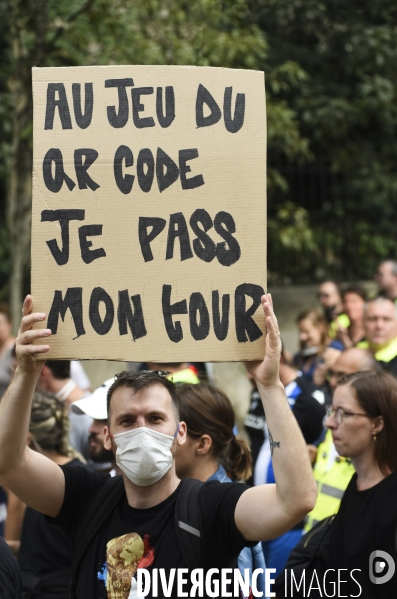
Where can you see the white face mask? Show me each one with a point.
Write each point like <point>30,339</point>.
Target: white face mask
<point>144,455</point>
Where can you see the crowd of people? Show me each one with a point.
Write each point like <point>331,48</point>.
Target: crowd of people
<point>90,481</point>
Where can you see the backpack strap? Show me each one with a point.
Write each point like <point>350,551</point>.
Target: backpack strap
<point>97,511</point>
<point>189,526</point>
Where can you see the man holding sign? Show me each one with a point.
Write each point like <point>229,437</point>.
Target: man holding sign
<point>139,530</point>
<point>149,214</point>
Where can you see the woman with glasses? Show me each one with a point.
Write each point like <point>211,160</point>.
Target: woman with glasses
<point>363,423</point>
<point>355,555</point>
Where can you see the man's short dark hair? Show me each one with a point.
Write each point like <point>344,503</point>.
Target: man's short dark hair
<point>59,368</point>
<point>4,309</point>
<point>140,379</point>
<point>357,290</point>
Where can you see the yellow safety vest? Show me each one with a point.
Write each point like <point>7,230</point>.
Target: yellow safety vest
<point>187,375</point>
<point>331,479</point>
<point>341,321</point>
<point>385,354</point>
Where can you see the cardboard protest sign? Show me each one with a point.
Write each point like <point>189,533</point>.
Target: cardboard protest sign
<point>149,212</point>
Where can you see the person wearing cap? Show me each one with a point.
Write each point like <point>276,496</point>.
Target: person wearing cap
<point>95,406</point>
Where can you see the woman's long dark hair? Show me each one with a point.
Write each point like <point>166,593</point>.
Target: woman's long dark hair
<point>376,392</point>
<point>207,411</point>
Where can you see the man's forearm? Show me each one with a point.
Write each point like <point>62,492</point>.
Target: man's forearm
<point>295,484</point>
<point>15,408</point>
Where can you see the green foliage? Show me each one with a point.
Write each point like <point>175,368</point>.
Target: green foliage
<point>291,228</point>
<point>346,106</point>
<point>331,72</point>
<point>291,244</point>
<point>97,32</point>
<point>5,265</point>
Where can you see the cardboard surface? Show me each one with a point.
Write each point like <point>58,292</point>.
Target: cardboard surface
<point>160,251</point>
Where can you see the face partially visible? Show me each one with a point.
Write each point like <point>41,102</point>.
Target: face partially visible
<point>151,407</point>
<point>328,295</point>
<point>309,334</point>
<point>5,328</point>
<point>380,322</point>
<point>96,439</point>
<point>350,361</point>
<point>354,436</point>
<point>341,367</point>
<point>353,306</point>
<point>385,278</point>
<point>185,457</point>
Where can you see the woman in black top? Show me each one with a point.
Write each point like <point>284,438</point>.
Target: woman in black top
<point>363,421</point>
<point>44,553</point>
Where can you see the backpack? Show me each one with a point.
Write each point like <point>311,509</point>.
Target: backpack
<point>187,522</point>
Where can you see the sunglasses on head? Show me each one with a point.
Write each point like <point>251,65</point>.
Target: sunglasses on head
<point>163,373</point>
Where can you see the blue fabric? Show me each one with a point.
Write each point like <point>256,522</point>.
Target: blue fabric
<point>250,558</point>
<point>277,551</point>
<point>293,394</point>
<point>336,344</point>
<point>221,475</point>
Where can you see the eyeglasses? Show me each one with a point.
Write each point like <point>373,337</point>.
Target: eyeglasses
<point>319,295</point>
<point>334,373</point>
<point>340,414</point>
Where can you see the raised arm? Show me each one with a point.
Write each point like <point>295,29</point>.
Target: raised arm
<point>266,511</point>
<point>35,479</point>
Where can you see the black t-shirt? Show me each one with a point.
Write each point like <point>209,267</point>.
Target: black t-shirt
<point>390,367</point>
<point>366,522</point>
<point>45,552</point>
<point>309,409</point>
<point>144,538</point>
<point>10,578</point>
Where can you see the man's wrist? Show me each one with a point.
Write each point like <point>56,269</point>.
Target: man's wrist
<point>23,372</point>
<point>270,387</point>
